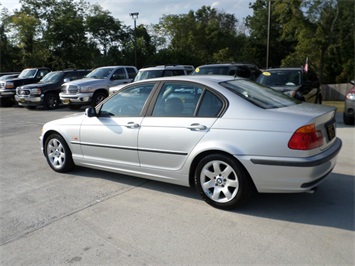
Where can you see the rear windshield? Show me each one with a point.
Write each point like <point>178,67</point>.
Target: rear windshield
<point>212,70</point>
<point>281,78</point>
<point>258,94</point>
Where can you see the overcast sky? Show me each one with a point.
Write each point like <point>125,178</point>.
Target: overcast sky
<point>150,11</point>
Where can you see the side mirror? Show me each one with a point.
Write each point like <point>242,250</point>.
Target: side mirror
<point>90,112</point>
<point>352,82</point>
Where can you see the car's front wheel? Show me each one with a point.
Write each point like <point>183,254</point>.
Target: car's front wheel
<point>348,120</point>
<point>222,181</point>
<point>51,101</point>
<point>58,154</point>
<point>97,98</point>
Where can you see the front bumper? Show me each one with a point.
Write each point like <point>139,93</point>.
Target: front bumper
<point>77,99</point>
<point>7,93</point>
<point>279,174</point>
<point>29,101</point>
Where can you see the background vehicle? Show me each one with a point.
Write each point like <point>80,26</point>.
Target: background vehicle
<point>226,136</point>
<point>46,91</point>
<point>155,72</point>
<point>348,115</point>
<point>9,76</point>
<point>293,81</point>
<point>249,71</point>
<point>27,76</point>
<point>95,86</point>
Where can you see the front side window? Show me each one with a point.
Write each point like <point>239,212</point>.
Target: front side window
<point>128,102</point>
<point>177,100</point>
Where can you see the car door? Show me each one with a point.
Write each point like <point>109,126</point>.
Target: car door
<point>183,113</point>
<point>118,77</point>
<point>110,138</point>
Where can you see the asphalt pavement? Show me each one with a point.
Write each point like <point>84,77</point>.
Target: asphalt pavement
<point>90,217</point>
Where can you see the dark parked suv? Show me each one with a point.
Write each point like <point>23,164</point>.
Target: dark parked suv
<point>243,70</point>
<point>27,76</point>
<point>293,81</point>
<point>46,92</point>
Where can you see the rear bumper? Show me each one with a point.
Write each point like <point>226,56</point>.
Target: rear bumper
<point>291,174</point>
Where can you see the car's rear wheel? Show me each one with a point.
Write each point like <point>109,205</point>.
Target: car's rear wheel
<point>222,181</point>
<point>58,154</point>
<point>51,101</point>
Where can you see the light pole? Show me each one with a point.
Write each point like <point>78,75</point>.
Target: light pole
<point>268,36</point>
<point>135,17</point>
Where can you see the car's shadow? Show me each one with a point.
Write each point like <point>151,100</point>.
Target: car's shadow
<point>331,206</point>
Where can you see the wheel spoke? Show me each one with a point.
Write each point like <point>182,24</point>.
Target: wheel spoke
<point>207,185</point>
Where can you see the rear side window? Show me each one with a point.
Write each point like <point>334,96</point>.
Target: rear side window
<point>258,94</point>
<point>210,105</point>
<point>131,72</point>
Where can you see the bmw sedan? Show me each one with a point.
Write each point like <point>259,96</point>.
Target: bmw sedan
<point>226,136</point>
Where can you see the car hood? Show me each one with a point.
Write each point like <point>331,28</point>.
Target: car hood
<point>35,85</point>
<point>72,119</point>
<point>85,81</point>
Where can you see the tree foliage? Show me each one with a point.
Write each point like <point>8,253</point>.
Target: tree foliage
<point>73,33</point>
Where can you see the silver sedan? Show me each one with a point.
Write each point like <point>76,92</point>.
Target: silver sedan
<point>226,136</point>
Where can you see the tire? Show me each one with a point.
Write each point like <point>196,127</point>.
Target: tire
<point>74,107</point>
<point>51,101</point>
<point>58,154</point>
<point>97,98</point>
<point>222,181</point>
<point>348,120</point>
<point>30,107</point>
<point>6,102</point>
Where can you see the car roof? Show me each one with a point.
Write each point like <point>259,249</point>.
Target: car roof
<point>284,68</point>
<point>163,67</point>
<point>198,78</point>
<point>224,64</point>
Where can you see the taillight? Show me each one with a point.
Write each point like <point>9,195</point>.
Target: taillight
<point>306,138</point>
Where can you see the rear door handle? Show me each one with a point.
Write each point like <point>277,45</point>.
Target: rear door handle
<point>196,127</point>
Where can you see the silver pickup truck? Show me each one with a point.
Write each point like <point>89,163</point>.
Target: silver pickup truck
<point>92,89</point>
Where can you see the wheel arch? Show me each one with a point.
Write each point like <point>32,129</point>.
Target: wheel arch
<point>203,154</point>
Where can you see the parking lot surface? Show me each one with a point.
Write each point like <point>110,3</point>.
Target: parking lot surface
<point>90,217</point>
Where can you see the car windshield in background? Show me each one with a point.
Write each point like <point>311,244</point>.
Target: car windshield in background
<point>281,78</point>
<point>27,73</point>
<point>259,95</point>
<point>213,70</point>
<point>100,73</point>
<point>51,77</point>
<point>149,74</point>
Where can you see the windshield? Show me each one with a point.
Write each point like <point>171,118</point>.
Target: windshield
<point>148,74</point>
<point>259,95</point>
<point>281,78</point>
<point>52,77</point>
<point>100,73</point>
<point>28,73</point>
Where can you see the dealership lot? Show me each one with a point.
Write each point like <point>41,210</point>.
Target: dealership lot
<point>91,217</point>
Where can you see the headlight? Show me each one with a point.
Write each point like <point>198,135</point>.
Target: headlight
<point>36,91</point>
<point>9,85</point>
<point>290,93</point>
<point>350,96</point>
<point>85,89</point>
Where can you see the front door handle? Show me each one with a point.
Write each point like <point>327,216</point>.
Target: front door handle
<point>132,125</point>
<point>196,127</point>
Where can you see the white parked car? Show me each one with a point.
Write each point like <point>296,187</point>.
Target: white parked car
<point>226,136</point>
